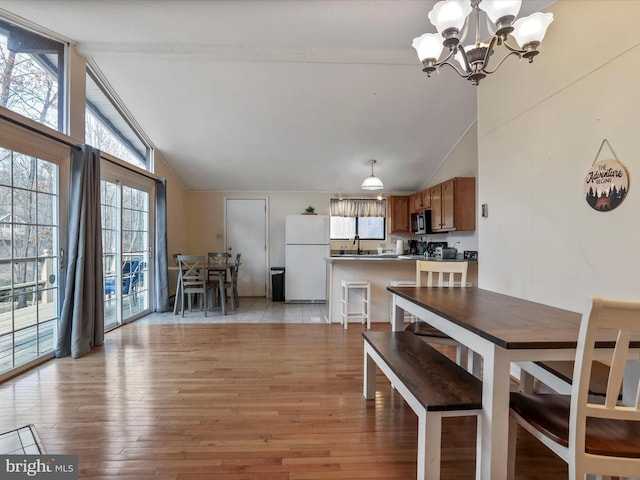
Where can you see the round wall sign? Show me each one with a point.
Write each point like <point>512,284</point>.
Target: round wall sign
<point>606,185</point>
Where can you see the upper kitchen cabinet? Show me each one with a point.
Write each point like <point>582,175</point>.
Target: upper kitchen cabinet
<point>426,198</point>
<point>420,201</point>
<point>453,205</point>
<point>398,219</point>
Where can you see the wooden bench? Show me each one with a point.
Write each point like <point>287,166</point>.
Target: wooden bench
<point>558,375</point>
<point>432,385</point>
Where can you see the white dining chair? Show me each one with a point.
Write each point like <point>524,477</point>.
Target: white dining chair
<point>592,434</point>
<point>440,274</point>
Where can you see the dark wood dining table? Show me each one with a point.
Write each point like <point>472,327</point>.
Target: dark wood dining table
<point>221,270</point>
<point>502,330</point>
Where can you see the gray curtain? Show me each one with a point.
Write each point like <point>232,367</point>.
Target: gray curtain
<point>162,271</point>
<point>82,318</point>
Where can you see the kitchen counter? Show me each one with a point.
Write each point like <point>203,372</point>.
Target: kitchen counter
<point>370,258</point>
<point>389,258</point>
<point>380,270</point>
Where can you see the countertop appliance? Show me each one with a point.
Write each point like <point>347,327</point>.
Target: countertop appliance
<point>470,255</point>
<point>431,247</point>
<point>306,247</point>
<point>449,253</point>
<point>413,247</point>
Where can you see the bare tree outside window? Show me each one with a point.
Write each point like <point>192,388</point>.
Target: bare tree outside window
<point>30,74</point>
<point>98,135</point>
<point>28,261</point>
<point>108,128</point>
<point>125,234</point>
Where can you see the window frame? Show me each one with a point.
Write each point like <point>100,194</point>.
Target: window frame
<point>38,41</point>
<point>30,143</point>
<point>122,177</point>
<point>116,125</point>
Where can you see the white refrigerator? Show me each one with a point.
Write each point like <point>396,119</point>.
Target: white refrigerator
<point>306,247</point>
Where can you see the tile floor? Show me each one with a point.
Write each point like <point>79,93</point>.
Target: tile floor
<point>20,441</point>
<point>251,310</point>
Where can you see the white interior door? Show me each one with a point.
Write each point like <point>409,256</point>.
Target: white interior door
<point>246,233</point>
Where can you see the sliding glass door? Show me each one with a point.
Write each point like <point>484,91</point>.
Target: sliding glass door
<point>29,258</point>
<point>127,210</point>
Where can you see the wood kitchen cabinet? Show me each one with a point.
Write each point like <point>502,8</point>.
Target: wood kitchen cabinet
<point>453,205</point>
<point>415,202</point>
<point>426,198</point>
<point>420,201</point>
<point>398,219</point>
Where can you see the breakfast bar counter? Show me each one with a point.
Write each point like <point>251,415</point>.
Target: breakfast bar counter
<point>380,270</point>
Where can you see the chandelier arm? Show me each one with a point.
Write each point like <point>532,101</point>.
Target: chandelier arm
<point>485,60</point>
<point>451,53</point>
<point>464,56</point>
<point>513,52</point>
<point>462,74</point>
<point>512,49</point>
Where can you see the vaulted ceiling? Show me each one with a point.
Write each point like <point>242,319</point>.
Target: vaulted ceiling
<point>274,95</point>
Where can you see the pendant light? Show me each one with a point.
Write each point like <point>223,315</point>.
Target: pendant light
<point>372,182</point>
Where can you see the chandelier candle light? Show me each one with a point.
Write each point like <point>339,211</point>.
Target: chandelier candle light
<point>452,17</point>
<point>372,182</point>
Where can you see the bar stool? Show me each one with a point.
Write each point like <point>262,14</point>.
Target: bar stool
<point>401,283</point>
<point>365,290</point>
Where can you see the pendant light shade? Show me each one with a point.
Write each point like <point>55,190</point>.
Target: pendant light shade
<point>532,29</point>
<point>372,182</point>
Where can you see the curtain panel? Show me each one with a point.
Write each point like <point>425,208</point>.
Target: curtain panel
<point>358,208</point>
<point>161,252</point>
<point>82,316</point>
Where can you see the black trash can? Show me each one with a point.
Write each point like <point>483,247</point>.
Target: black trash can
<point>277,284</point>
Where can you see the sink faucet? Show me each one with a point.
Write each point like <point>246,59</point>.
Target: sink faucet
<point>357,239</point>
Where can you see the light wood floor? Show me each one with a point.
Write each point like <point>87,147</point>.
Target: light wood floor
<point>234,402</point>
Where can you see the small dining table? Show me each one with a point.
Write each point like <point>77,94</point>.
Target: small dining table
<point>221,269</point>
<point>502,330</point>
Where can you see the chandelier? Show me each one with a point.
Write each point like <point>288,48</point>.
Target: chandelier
<point>452,17</point>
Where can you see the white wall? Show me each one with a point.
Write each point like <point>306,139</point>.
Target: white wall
<point>205,218</point>
<point>540,126</point>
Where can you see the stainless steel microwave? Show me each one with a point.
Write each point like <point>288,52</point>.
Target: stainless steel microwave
<point>421,222</point>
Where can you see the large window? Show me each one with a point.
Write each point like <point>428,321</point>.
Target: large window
<point>109,129</point>
<point>32,82</point>
<point>29,261</point>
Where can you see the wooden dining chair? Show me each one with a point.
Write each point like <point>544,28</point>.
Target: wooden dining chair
<point>592,434</point>
<point>440,274</point>
<point>231,286</point>
<point>194,280</point>
<point>218,258</point>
